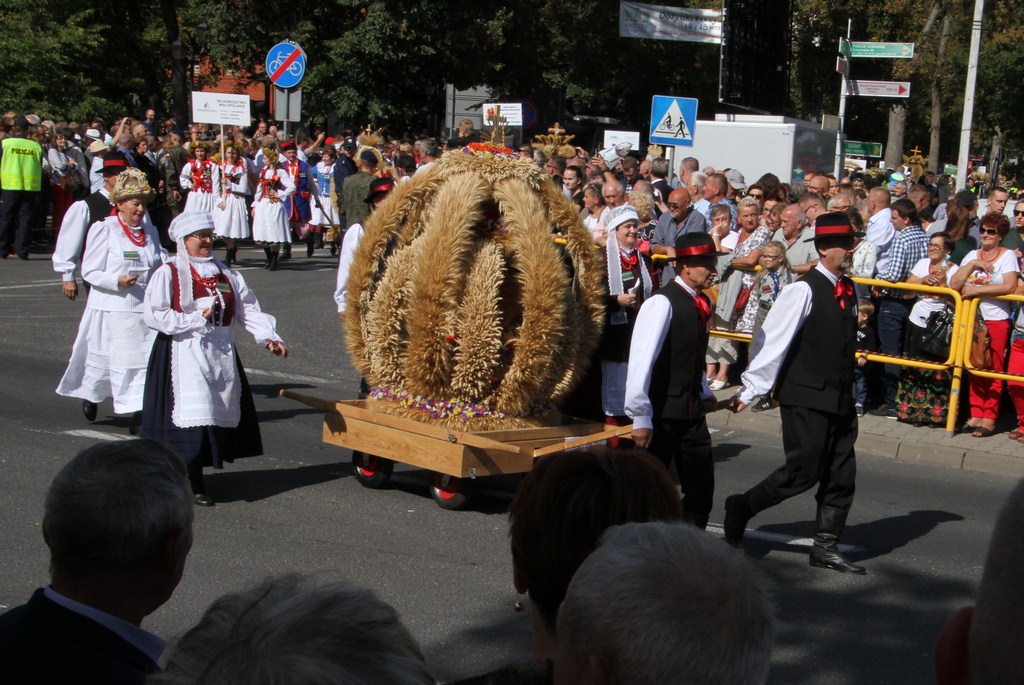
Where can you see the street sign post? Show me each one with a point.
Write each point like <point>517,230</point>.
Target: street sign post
<point>880,89</point>
<point>672,120</point>
<point>882,50</point>
<point>288,104</point>
<point>286,65</point>
<point>857,148</point>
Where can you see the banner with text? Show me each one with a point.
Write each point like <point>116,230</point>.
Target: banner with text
<point>220,108</point>
<point>659,22</point>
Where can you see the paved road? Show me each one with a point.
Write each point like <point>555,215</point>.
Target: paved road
<point>921,531</point>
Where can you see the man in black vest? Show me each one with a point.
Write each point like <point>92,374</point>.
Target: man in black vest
<point>814,386</point>
<point>667,394</point>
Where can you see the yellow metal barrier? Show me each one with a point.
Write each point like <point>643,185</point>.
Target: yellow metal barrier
<point>969,320</point>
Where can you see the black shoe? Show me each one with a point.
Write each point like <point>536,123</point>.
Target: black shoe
<point>273,262</point>
<point>309,250</point>
<point>737,514</point>
<point>201,499</point>
<point>884,412</point>
<point>135,423</point>
<point>763,403</point>
<point>89,410</point>
<point>828,556</point>
<point>23,256</point>
<point>334,249</point>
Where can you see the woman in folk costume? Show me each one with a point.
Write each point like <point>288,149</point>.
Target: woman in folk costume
<point>270,216</point>
<point>113,343</point>
<point>230,218</point>
<point>201,177</point>
<point>324,219</point>
<point>197,397</point>
<point>629,286</point>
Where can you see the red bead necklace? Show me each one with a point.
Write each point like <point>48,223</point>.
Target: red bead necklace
<point>208,283</point>
<point>627,262</point>
<point>140,241</point>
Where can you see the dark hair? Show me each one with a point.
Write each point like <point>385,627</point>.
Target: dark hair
<point>997,221</point>
<point>906,209</point>
<point>566,502</point>
<point>406,163</point>
<point>948,244</point>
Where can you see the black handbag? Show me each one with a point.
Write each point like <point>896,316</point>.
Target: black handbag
<point>938,333</point>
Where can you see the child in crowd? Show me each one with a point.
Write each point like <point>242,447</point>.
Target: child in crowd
<point>866,342</point>
<point>773,276</point>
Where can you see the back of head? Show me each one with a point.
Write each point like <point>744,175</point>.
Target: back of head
<point>665,603</point>
<point>564,505</point>
<point>290,631</point>
<point>659,167</point>
<point>880,196</point>
<point>997,627</point>
<point>112,509</point>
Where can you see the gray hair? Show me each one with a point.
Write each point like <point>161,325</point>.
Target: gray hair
<point>659,167</point>
<point>291,631</point>
<point>430,148</point>
<point>698,178</point>
<point>112,509</point>
<point>748,202</point>
<point>667,603</point>
<point>997,624</point>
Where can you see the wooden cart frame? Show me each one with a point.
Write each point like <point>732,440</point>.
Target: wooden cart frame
<point>456,458</point>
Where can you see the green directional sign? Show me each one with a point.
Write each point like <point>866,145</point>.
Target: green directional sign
<point>882,50</point>
<point>856,148</point>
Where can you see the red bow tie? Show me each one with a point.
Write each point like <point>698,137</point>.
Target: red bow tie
<point>844,290</point>
<point>703,307</point>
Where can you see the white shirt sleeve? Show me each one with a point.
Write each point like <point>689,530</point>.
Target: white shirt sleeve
<point>95,268</point>
<point>652,323</point>
<point>784,319</point>
<point>348,250</point>
<point>287,184</point>
<point>185,180</point>
<point>67,252</point>
<point>157,312</point>
<point>262,326</point>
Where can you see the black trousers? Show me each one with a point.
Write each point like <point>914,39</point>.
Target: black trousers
<point>16,208</point>
<point>819,450</point>
<point>689,444</point>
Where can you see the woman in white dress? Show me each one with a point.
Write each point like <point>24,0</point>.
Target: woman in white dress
<point>197,398</point>
<point>112,347</point>
<point>230,215</point>
<point>270,221</point>
<point>201,177</point>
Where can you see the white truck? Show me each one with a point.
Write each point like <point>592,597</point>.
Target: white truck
<point>757,145</point>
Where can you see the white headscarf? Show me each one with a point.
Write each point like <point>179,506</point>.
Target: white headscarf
<point>184,225</point>
<point>615,217</point>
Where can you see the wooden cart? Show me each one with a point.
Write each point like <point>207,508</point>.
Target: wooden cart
<point>456,458</point>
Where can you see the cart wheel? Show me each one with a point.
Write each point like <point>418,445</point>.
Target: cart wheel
<point>450,492</point>
<point>372,472</point>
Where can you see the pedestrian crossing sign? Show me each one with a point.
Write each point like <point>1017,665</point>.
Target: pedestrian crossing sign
<point>672,120</point>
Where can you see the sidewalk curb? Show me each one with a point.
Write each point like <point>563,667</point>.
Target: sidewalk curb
<point>900,442</point>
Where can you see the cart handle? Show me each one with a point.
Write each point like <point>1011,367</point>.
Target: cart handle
<point>613,432</point>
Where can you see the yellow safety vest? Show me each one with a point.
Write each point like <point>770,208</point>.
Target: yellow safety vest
<point>21,167</point>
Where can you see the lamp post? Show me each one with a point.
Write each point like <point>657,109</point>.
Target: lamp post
<point>182,50</point>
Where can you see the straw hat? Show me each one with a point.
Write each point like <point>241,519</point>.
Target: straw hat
<point>131,183</point>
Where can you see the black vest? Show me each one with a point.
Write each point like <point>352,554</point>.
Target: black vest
<point>99,206</point>
<point>675,379</point>
<point>818,369</point>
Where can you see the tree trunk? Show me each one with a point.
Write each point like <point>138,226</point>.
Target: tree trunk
<point>897,127</point>
<point>179,93</point>
<point>934,149</point>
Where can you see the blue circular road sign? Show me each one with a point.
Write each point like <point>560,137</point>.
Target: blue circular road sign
<point>286,65</point>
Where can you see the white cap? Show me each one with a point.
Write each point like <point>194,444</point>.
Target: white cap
<point>187,223</point>
<point>616,216</point>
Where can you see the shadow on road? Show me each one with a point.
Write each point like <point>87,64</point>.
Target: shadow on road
<point>253,486</point>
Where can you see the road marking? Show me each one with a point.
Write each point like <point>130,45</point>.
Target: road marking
<point>97,435</point>
<point>39,284</point>
<point>290,376</point>
<point>783,539</point>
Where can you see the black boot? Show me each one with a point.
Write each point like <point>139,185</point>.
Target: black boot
<point>310,241</point>
<point>699,520</point>
<point>273,261</point>
<point>737,514</point>
<point>195,479</point>
<point>825,553</point>
<point>229,260</point>
<point>286,251</point>
<point>135,423</point>
<point>269,254</point>
<point>319,241</point>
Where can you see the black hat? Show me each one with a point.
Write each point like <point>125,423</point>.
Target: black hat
<point>833,225</point>
<point>349,144</point>
<point>21,122</point>
<point>368,157</point>
<point>384,184</point>
<point>695,245</point>
<point>114,162</point>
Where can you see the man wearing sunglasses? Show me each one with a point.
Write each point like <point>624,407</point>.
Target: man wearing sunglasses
<point>680,219</point>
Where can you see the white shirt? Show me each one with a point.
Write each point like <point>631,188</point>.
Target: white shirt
<point>67,253</point>
<point>349,243</point>
<point>880,234</point>
<point>652,324</point>
<point>109,255</point>
<point>784,320</point>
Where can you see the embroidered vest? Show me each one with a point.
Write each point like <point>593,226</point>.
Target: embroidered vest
<point>223,289</point>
